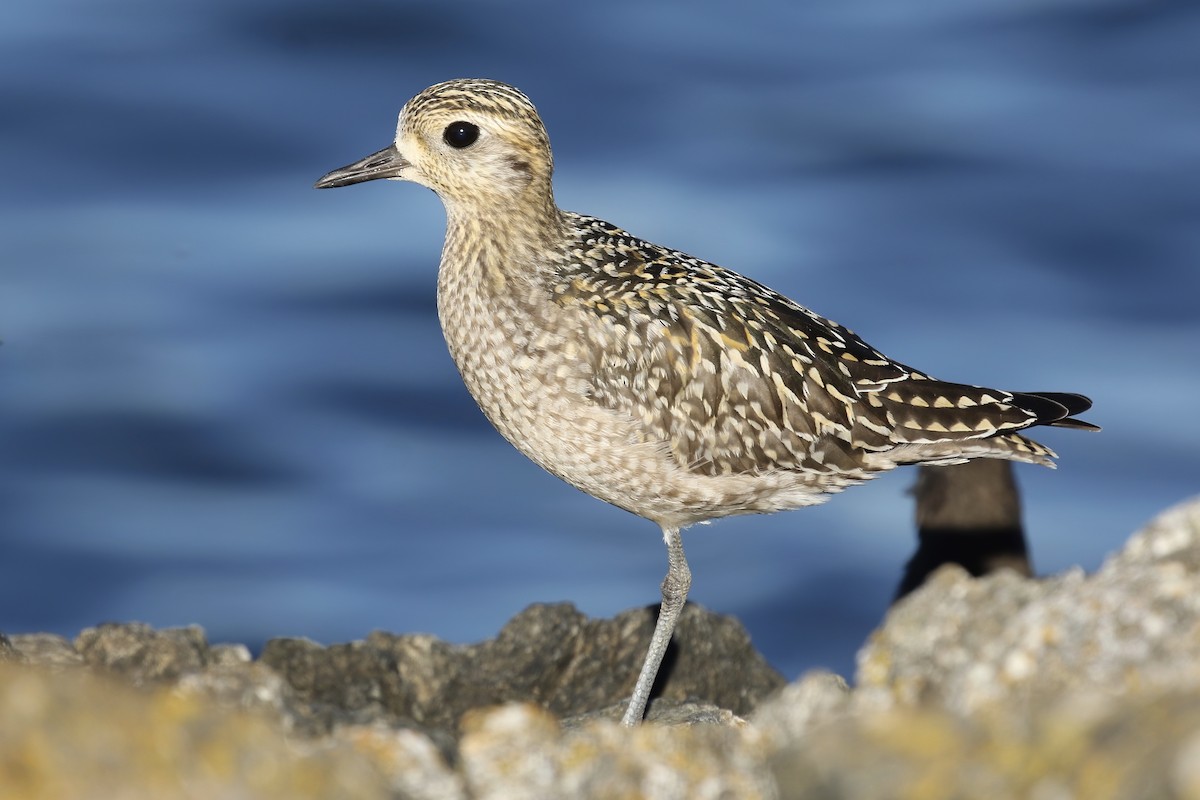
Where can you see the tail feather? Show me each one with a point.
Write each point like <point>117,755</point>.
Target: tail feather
<point>1076,424</point>
<point>1056,408</point>
<point>1008,446</point>
<point>943,423</point>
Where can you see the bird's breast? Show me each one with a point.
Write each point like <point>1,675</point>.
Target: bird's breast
<point>578,393</point>
<point>523,360</point>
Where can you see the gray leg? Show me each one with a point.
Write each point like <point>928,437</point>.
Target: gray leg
<point>674,592</point>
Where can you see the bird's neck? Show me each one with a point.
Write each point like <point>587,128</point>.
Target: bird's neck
<point>494,278</point>
<point>497,247</point>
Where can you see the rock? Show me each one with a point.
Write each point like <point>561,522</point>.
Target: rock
<point>1172,536</point>
<point>966,644</point>
<point>46,650</point>
<point>141,653</point>
<point>1072,686</point>
<point>813,700</point>
<point>548,654</point>
<point>1145,748</point>
<point>246,687</point>
<point>76,734</point>
<point>520,751</point>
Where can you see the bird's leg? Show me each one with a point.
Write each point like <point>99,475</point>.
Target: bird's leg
<point>674,593</point>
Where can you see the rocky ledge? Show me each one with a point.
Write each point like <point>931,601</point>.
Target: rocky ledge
<point>1070,686</point>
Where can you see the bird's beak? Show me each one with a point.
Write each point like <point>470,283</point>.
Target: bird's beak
<point>387,163</point>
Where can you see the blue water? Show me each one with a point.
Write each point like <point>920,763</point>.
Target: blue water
<point>224,398</point>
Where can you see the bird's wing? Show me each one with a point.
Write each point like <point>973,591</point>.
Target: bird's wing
<point>737,378</point>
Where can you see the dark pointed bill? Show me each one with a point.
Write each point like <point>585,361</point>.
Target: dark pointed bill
<point>387,163</point>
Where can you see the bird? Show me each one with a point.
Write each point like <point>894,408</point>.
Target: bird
<point>673,388</point>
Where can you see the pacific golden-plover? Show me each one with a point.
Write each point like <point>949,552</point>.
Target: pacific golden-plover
<point>670,387</point>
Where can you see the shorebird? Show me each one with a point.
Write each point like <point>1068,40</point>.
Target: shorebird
<point>668,386</point>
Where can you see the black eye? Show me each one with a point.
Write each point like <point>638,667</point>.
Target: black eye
<point>461,134</point>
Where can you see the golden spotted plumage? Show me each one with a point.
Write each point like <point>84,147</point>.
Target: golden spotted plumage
<point>738,379</point>
<point>666,385</point>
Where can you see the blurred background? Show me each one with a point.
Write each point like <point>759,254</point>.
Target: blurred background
<point>224,396</point>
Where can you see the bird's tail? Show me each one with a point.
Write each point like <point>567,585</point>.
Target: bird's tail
<point>1056,409</point>
<point>945,423</point>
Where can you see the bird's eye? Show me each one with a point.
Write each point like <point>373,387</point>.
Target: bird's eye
<point>461,134</point>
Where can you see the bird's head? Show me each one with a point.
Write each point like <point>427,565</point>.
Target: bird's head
<point>476,142</point>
